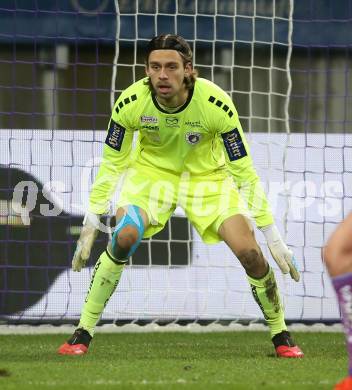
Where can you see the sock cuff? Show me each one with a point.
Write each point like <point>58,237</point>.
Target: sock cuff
<point>261,281</point>
<point>110,265</point>
<point>342,280</point>
<point>87,328</point>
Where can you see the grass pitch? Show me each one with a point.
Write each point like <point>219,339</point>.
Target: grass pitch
<point>229,360</point>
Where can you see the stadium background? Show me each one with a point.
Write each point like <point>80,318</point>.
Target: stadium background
<point>289,75</point>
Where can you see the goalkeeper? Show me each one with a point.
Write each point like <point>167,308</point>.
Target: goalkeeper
<point>191,151</point>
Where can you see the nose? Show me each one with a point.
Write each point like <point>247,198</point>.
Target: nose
<point>163,75</point>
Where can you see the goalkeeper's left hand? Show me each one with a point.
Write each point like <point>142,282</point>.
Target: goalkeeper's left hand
<point>280,252</point>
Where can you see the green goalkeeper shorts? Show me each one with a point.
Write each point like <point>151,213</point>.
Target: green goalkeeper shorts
<point>207,200</point>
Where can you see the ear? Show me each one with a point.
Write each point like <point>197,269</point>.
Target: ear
<point>188,69</point>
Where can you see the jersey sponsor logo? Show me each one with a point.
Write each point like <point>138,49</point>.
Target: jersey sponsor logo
<point>193,138</point>
<point>234,145</point>
<point>115,135</point>
<point>150,128</point>
<point>193,124</point>
<point>149,119</point>
<point>171,121</point>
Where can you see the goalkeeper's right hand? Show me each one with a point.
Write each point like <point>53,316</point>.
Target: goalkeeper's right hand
<point>86,240</point>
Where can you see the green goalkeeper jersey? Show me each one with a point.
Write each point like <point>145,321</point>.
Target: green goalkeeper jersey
<point>202,137</point>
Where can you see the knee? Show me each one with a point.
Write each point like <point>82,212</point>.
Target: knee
<point>124,242</point>
<point>252,260</point>
<point>128,235</point>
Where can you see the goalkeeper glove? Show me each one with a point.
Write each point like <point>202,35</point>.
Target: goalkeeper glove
<point>86,240</point>
<point>279,251</point>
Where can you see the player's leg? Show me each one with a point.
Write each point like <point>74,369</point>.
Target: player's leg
<point>151,193</point>
<point>131,224</point>
<point>237,233</point>
<point>218,213</point>
<point>338,258</point>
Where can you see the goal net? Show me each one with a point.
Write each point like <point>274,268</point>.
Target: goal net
<point>62,67</point>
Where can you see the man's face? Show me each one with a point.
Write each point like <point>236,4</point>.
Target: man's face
<point>166,71</point>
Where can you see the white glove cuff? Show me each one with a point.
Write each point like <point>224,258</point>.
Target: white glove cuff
<point>271,233</point>
<point>91,219</point>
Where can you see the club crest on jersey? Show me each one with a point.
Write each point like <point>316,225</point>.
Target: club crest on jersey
<point>115,135</point>
<point>234,145</point>
<point>193,138</point>
<point>171,121</point>
<point>149,119</point>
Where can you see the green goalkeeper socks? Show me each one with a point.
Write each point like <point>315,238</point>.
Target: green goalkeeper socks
<point>105,278</point>
<point>266,294</point>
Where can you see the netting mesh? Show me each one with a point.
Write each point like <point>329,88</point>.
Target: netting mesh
<point>62,64</point>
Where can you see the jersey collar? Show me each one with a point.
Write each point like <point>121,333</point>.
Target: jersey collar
<point>189,98</point>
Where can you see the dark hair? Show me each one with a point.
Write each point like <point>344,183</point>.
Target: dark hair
<point>173,42</point>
